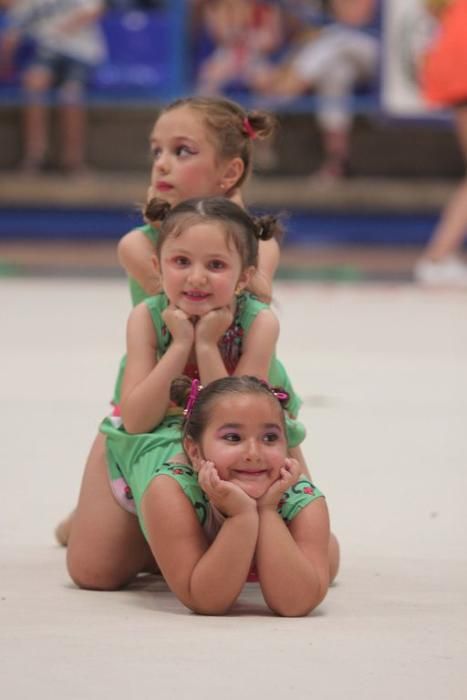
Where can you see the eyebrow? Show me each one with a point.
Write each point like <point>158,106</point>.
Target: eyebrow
<point>267,426</point>
<point>153,139</point>
<point>211,256</point>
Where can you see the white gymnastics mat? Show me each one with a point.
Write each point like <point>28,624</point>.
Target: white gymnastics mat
<point>383,374</point>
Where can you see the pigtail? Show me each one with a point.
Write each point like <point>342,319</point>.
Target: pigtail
<point>156,210</point>
<point>267,227</point>
<point>258,124</point>
<point>180,390</point>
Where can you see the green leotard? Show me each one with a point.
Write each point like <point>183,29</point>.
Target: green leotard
<point>278,375</point>
<point>138,295</point>
<point>132,458</point>
<point>292,501</point>
<point>136,291</point>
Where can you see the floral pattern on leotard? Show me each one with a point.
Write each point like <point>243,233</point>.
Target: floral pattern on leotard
<point>230,345</point>
<point>186,476</point>
<point>302,490</point>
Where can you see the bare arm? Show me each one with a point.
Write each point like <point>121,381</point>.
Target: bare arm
<point>207,578</point>
<point>292,562</point>
<point>268,262</point>
<point>9,41</point>
<point>147,381</point>
<point>81,17</point>
<point>354,12</point>
<point>136,255</point>
<point>259,345</point>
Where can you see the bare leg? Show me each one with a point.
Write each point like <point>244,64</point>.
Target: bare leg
<point>63,529</point>
<point>336,152</point>
<point>438,264</point>
<point>106,547</point>
<point>72,125</point>
<point>36,82</point>
<point>452,228</point>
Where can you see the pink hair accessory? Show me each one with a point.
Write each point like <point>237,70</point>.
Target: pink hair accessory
<point>193,395</point>
<point>251,133</point>
<point>281,394</point>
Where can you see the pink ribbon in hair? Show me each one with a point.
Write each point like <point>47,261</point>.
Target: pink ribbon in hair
<point>193,395</point>
<point>249,129</point>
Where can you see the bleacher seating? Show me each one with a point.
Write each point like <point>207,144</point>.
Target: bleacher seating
<point>148,61</point>
<point>145,58</point>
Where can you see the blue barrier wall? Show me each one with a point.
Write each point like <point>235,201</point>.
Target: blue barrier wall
<point>303,227</point>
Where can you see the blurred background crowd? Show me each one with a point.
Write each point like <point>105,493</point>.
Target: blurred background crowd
<point>348,80</point>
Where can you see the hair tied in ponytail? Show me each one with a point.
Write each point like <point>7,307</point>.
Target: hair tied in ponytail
<point>248,129</point>
<point>192,396</point>
<point>157,209</point>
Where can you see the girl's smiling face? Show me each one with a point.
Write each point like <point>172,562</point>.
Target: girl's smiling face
<point>201,269</point>
<point>245,438</point>
<point>185,162</point>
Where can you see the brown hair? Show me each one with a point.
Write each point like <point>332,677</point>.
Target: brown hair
<point>244,230</point>
<point>197,418</point>
<point>231,127</point>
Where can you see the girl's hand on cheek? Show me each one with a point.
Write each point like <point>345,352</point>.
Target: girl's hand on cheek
<point>179,325</point>
<point>227,497</point>
<point>288,476</point>
<point>211,327</point>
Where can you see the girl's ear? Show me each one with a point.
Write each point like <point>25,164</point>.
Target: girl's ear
<point>245,279</point>
<point>232,174</point>
<point>193,452</point>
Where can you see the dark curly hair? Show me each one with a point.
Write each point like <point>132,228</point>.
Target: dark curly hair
<point>241,228</point>
<point>198,416</point>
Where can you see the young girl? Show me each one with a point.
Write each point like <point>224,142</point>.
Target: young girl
<point>443,82</point>
<point>237,508</point>
<point>200,147</point>
<point>203,325</point>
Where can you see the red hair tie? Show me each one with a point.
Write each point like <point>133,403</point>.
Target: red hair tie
<point>250,132</point>
<point>194,391</point>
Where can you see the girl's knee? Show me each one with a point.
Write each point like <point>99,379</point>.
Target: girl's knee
<point>92,574</point>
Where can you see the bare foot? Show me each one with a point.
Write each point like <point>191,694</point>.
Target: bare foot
<point>63,529</point>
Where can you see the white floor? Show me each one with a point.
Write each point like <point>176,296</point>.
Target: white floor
<point>383,371</point>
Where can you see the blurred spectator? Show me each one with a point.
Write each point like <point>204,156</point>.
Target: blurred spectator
<point>244,34</point>
<point>135,4</point>
<point>331,60</point>
<point>443,77</point>
<point>67,44</point>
